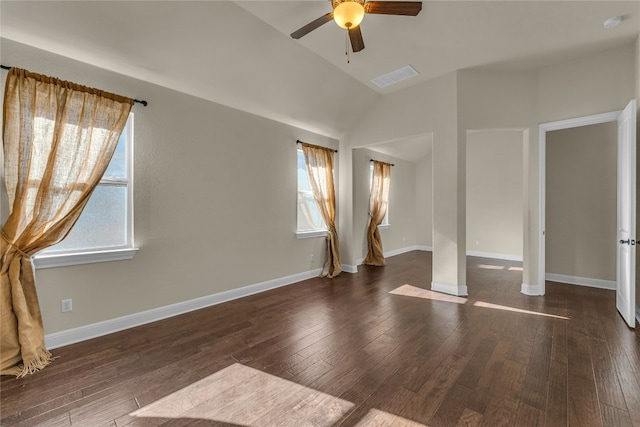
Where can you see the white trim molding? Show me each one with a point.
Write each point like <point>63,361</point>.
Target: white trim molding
<point>445,288</point>
<point>311,234</point>
<point>348,268</point>
<point>61,260</point>
<point>582,281</point>
<point>506,257</point>
<point>531,290</point>
<point>83,333</point>
<point>400,251</point>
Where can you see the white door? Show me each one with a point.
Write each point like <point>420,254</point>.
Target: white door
<point>626,258</point>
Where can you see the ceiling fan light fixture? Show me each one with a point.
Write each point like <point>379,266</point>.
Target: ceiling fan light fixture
<point>348,14</point>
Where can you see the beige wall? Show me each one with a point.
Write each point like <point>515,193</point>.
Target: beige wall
<point>402,201</point>
<point>424,201</point>
<point>594,84</point>
<point>581,202</point>
<point>215,203</point>
<point>494,193</point>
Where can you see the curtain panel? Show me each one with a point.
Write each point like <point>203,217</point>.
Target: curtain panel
<point>319,162</point>
<point>58,139</point>
<point>378,203</point>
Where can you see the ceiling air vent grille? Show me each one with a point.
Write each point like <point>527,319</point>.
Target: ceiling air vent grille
<point>395,76</point>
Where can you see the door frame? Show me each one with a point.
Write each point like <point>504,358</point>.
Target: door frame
<point>542,160</point>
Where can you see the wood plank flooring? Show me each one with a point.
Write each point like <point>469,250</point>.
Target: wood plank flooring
<point>372,348</point>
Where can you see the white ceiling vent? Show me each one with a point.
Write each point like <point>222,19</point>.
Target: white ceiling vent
<point>395,76</point>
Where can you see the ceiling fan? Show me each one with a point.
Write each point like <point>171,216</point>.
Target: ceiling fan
<point>349,13</point>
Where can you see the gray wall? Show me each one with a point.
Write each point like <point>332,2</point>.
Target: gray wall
<point>581,202</point>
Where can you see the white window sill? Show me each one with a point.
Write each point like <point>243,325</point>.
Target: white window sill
<point>310,234</point>
<point>76,258</point>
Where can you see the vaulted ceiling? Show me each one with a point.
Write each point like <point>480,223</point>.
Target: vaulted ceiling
<point>240,53</point>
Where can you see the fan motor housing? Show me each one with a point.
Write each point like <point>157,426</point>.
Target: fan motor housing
<point>334,3</point>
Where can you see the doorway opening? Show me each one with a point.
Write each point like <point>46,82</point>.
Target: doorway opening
<point>625,204</point>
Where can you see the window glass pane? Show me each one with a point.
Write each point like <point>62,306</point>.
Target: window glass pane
<point>102,223</point>
<point>303,176</point>
<point>118,166</point>
<point>309,218</point>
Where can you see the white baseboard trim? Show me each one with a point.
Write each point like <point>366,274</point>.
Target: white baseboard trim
<point>446,288</point>
<point>349,268</point>
<point>83,333</point>
<point>400,251</point>
<point>506,257</point>
<point>582,281</point>
<point>531,290</point>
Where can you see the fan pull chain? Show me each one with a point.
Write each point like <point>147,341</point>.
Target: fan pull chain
<point>346,46</point>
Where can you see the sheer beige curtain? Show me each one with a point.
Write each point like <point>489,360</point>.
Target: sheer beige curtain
<point>378,203</point>
<point>58,139</point>
<point>319,162</point>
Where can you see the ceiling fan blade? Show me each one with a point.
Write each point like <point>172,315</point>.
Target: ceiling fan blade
<point>408,8</point>
<point>355,35</point>
<point>312,26</point>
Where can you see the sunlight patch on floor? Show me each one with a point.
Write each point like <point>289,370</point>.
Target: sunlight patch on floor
<point>515,310</point>
<point>376,417</point>
<point>497,267</point>
<point>491,267</point>
<point>245,396</point>
<point>413,291</point>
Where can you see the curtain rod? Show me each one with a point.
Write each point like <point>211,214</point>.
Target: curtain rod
<point>144,103</point>
<point>371,160</point>
<point>319,146</point>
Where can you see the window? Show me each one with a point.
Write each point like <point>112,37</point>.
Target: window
<point>104,231</point>
<point>385,221</point>
<point>310,222</point>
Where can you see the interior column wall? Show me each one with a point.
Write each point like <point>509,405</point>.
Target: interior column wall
<point>430,107</point>
<point>508,100</point>
<point>424,202</point>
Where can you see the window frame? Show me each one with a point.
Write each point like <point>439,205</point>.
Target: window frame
<point>306,234</point>
<point>90,255</point>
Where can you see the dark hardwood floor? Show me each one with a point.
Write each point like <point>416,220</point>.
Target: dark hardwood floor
<point>372,348</point>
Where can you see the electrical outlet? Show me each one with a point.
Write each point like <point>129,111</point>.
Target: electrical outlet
<point>66,305</point>
<point>311,257</point>
<point>477,243</point>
